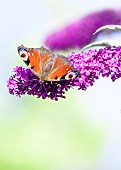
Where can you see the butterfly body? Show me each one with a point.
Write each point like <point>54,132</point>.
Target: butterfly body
<point>47,65</point>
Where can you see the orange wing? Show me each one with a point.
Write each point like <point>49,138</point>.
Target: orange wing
<point>60,68</point>
<point>60,72</point>
<point>37,61</point>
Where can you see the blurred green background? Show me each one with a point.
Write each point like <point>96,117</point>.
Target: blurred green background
<point>82,131</point>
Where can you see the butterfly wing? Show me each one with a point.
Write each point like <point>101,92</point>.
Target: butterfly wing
<point>60,68</point>
<point>35,59</point>
<point>47,65</point>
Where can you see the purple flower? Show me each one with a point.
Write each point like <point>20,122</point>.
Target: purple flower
<point>79,33</point>
<point>91,64</point>
<point>94,63</point>
<point>25,82</point>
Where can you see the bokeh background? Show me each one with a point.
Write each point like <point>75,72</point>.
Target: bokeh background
<point>81,132</point>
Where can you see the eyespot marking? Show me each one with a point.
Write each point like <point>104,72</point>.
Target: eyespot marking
<point>23,54</point>
<point>71,75</point>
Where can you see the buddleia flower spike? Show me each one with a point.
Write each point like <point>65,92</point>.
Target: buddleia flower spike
<point>79,33</point>
<point>92,64</point>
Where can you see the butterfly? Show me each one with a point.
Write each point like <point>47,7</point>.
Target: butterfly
<point>46,65</point>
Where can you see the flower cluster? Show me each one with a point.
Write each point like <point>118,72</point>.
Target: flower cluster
<point>79,33</point>
<point>91,64</point>
<point>25,82</point>
<point>94,63</point>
